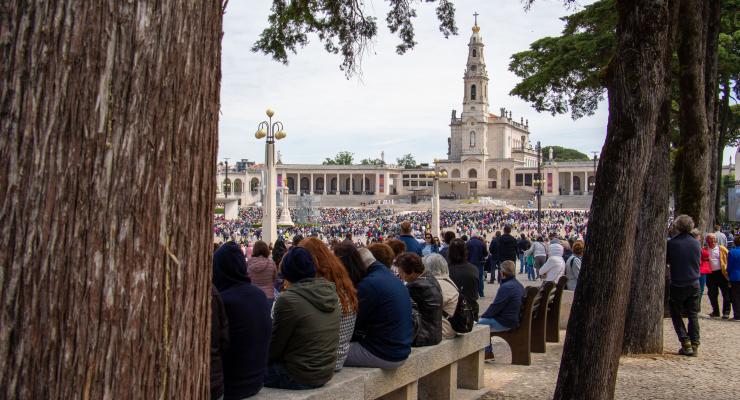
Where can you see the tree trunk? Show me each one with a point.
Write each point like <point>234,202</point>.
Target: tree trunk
<point>643,330</point>
<point>712,27</point>
<point>695,139</point>
<point>588,369</point>
<point>109,118</point>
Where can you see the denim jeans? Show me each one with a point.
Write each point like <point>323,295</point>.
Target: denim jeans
<point>278,377</point>
<point>495,326</point>
<point>530,272</point>
<point>702,285</point>
<point>481,279</point>
<point>685,299</point>
<point>521,263</point>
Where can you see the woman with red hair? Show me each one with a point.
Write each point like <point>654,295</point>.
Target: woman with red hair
<point>330,267</point>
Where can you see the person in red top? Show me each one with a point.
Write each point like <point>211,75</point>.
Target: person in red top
<point>704,267</point>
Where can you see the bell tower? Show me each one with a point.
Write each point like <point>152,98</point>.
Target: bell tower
<point>475,101</point>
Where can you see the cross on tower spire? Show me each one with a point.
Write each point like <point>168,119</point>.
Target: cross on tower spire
<point>475,15</point>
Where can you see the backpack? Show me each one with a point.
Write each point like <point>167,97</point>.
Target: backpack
<point>463,319</point>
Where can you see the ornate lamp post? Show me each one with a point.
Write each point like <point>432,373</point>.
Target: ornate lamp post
<point>270,130</point>
<point>538,183</point>
<point>436,175</point>
<point>592,185</point>
<point>227,183</point>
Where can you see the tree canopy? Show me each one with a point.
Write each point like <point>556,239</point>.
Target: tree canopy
<point>563,154</point>
<point>343,27</point>
<point>371,161</point>
<point>342,158</point>
<point>407,161</point>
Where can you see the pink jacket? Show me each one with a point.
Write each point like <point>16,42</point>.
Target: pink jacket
<point>262,272</point>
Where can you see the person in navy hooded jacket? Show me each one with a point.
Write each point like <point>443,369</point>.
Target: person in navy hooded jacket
<point>250,325</point>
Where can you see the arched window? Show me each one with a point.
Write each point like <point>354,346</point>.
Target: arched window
<point>472,92</point>
<point>475,53</point>
<point>472,139</point>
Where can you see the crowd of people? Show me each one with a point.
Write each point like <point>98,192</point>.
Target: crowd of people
<point>377,224</point>
<point>291,314</point>
<point>697,260</point>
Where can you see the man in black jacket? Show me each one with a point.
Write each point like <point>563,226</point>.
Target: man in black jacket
<point>522,246</point>
<point>506,247</point>
<point>683,257</point>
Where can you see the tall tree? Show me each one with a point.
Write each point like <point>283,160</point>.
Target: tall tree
<point>564,154</point>
<point>588,369</point>
<point>109,120</point>
<point>695,137</point>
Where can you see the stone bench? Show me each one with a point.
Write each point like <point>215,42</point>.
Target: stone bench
<point>432,372</point>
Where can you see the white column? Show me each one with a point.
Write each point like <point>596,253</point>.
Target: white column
<point>298,184</point>
<point>435,208</point>
<point>269,212</point>
<point>338,182</point>
<point>351,184</point>
<point>377,183</point>
<point>310,185</point>
<point>363,184</point>
<point>325,184</point>
<point>571,183</point>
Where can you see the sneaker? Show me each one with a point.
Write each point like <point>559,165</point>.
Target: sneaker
<point>695,348</point>
<point>686,350</point>
<point>726,316</point>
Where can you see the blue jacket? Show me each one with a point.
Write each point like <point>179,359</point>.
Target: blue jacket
<point>476,251</point>
<point>508,303</point>
<point>384,326</point>
<point>683,254</point>
<point>733,265</point>
<point>412,245</point>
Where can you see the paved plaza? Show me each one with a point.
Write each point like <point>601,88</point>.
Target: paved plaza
<point>711,376</point>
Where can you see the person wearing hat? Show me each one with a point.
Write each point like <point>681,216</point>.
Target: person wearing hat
<point>305,328</point>
<point>244,361</point>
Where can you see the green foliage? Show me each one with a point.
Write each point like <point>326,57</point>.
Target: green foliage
<point>371,161</point>
<point>219,210</point>
<point>566,73</point>
<point>343,27</point>
<point>407,161</point>
<point>563,154</point>
<point>342,158</point>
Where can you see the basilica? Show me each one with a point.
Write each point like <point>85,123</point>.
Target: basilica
<point>488,155</point>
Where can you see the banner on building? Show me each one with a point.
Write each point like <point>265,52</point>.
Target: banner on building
<point>381,183</point>
<point>549,182</point>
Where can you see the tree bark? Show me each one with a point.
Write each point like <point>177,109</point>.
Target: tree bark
<point>695,138</point>
<point>590,361</point>
<point>643,330</point>
<point>109,117</point>
<point>712,28</point>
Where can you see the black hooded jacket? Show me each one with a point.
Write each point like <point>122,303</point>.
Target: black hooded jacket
<point>426,294</point>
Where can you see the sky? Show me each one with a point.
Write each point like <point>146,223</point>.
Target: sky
<point>400,104</point>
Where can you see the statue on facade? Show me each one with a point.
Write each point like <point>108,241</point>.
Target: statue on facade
<point>550,154</point>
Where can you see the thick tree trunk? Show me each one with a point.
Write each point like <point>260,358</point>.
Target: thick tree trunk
<point>108,114</point>
<point>695,139</point>
<point>712,28</point>
<point>588,369</point>
<point>643,330</point>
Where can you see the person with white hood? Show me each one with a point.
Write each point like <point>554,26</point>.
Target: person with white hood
<point>554,268</point>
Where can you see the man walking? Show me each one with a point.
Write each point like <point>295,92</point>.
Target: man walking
<point>522,245</point>
<point>476,255</point>
<point>683,256</point>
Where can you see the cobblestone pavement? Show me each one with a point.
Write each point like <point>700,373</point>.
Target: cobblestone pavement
<point>711,376</point>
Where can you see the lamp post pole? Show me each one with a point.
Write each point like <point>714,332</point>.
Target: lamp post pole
<point>539,188</point>
<point>271,131</point>
<point>435,175</point>
<point>227,184</point>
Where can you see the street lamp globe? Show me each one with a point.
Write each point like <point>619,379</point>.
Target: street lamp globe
<point>280,135</point>
<point>269,112</point>
<point>260,134</point>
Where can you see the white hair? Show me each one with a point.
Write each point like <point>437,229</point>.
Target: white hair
<point>436,265</point>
